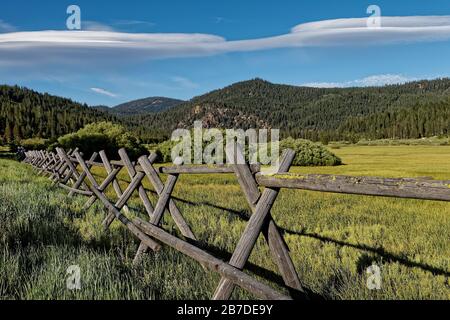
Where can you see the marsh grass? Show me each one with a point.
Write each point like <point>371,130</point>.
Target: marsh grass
<point>333,238</point>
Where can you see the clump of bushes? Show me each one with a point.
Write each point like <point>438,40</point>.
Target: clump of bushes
<point>307,153</point>
<point>163,151</point>
<point>35,143</point>
<point>105,136</point>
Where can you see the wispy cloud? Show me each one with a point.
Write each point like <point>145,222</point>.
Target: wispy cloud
<point>371,81</point>
<point>95,26</point>
<point>6,27</point>
<point>100,45</point>
<point>104,92</point>
<point>114,26</point>
<point>184,82</point>
<point>134,23</point>
<point>221,20</point>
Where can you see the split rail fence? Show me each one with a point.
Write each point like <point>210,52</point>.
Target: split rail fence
<point>72,172</point>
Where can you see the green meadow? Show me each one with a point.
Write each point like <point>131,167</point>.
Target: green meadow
<point>333,238</point>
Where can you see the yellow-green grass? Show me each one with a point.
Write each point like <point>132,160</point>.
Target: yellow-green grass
<point>389,161</point>
<point>5,152</point>
<point>333,238</point>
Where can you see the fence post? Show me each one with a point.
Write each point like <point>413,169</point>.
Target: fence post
<point>109,169</point>
<point>155,180</point>
<point>132,172</point>
<point>83,174</point>
<point>95,188</point>
<point>259,219</point>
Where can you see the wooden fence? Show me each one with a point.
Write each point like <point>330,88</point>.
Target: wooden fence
<point>70,171</point>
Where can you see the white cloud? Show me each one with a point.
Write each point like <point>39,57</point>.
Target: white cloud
<point>95,26</point>
<point>100,45</point>
<point>184,82</point>
<point>6,27</point>
<point>134,23</point>
<point>371,81</point>
<point>104,92</point>
<point>221,20</point>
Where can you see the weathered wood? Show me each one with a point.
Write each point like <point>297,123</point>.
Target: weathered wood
<point>56,163</point>
<point>95,188</point>
<point>374,186</point>
<point>156,218</point>
<point>109,169</point>
<point>261,217</point>
<point>120,203</point>
<point>132,172</point>
<point>164,199</point>
<point>109,178</point>
<point>79,191</point>
<point>235,156</point>
<point>261,204</point>
<point>135,230</point>
<point>185,169</point>
<point>42,159</point>
<point>155,180</point>
<point>44,169</point>
<point>232,274</point>
<point>86,170</point>
<point>71,166</point>
<point>63,168</point>
<point>204,169</point>
<point>164,193</point>
<point>82,175</point>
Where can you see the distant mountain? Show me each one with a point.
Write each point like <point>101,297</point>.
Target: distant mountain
<point>411,110</point>
<point>101,108</point>
<point>145,106</point>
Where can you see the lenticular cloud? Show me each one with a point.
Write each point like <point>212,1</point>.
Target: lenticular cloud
<point>16,47</point>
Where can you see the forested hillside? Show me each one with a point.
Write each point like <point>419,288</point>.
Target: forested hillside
<point>144,106</point>
<point>411,110</point>
<point>25,113</point>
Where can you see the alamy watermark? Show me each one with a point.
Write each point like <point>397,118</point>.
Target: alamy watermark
<point>374,278</point>
<point>73,281</point>
<point>216,146</point>
<point>374,21</point>
<point>73,22</point>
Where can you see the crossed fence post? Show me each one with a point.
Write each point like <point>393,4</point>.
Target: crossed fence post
<point>64,168</point>
<point>165,201</point>
<point>259,222</point>
<point>96,189</point>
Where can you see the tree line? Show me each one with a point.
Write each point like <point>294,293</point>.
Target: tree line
<point>413,110</point>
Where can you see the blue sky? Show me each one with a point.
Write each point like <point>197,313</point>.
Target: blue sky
<point>228,51</point>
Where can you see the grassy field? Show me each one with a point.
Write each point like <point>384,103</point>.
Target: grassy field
<point>333,238</point>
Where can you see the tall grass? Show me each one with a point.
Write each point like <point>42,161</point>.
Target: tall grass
<point>333,238</point>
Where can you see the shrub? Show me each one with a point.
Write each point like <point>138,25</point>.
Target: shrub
<point>163,151</point>
<point>35,143</point>
<point>105,136</point>
<point>308,153</point>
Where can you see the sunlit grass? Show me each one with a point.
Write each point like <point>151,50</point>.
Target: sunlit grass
<point>332,237</point>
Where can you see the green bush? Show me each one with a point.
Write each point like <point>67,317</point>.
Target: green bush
<point>307,152</point>
<point>163,151</point>
<point>35,143</point>
<point>105,136</point>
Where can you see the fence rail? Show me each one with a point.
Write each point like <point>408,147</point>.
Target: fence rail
<point>72,172</point>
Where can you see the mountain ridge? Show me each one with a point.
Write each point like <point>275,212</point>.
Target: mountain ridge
<point>309,112</point>
<point>412,110</point>
<point>144,106</point>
